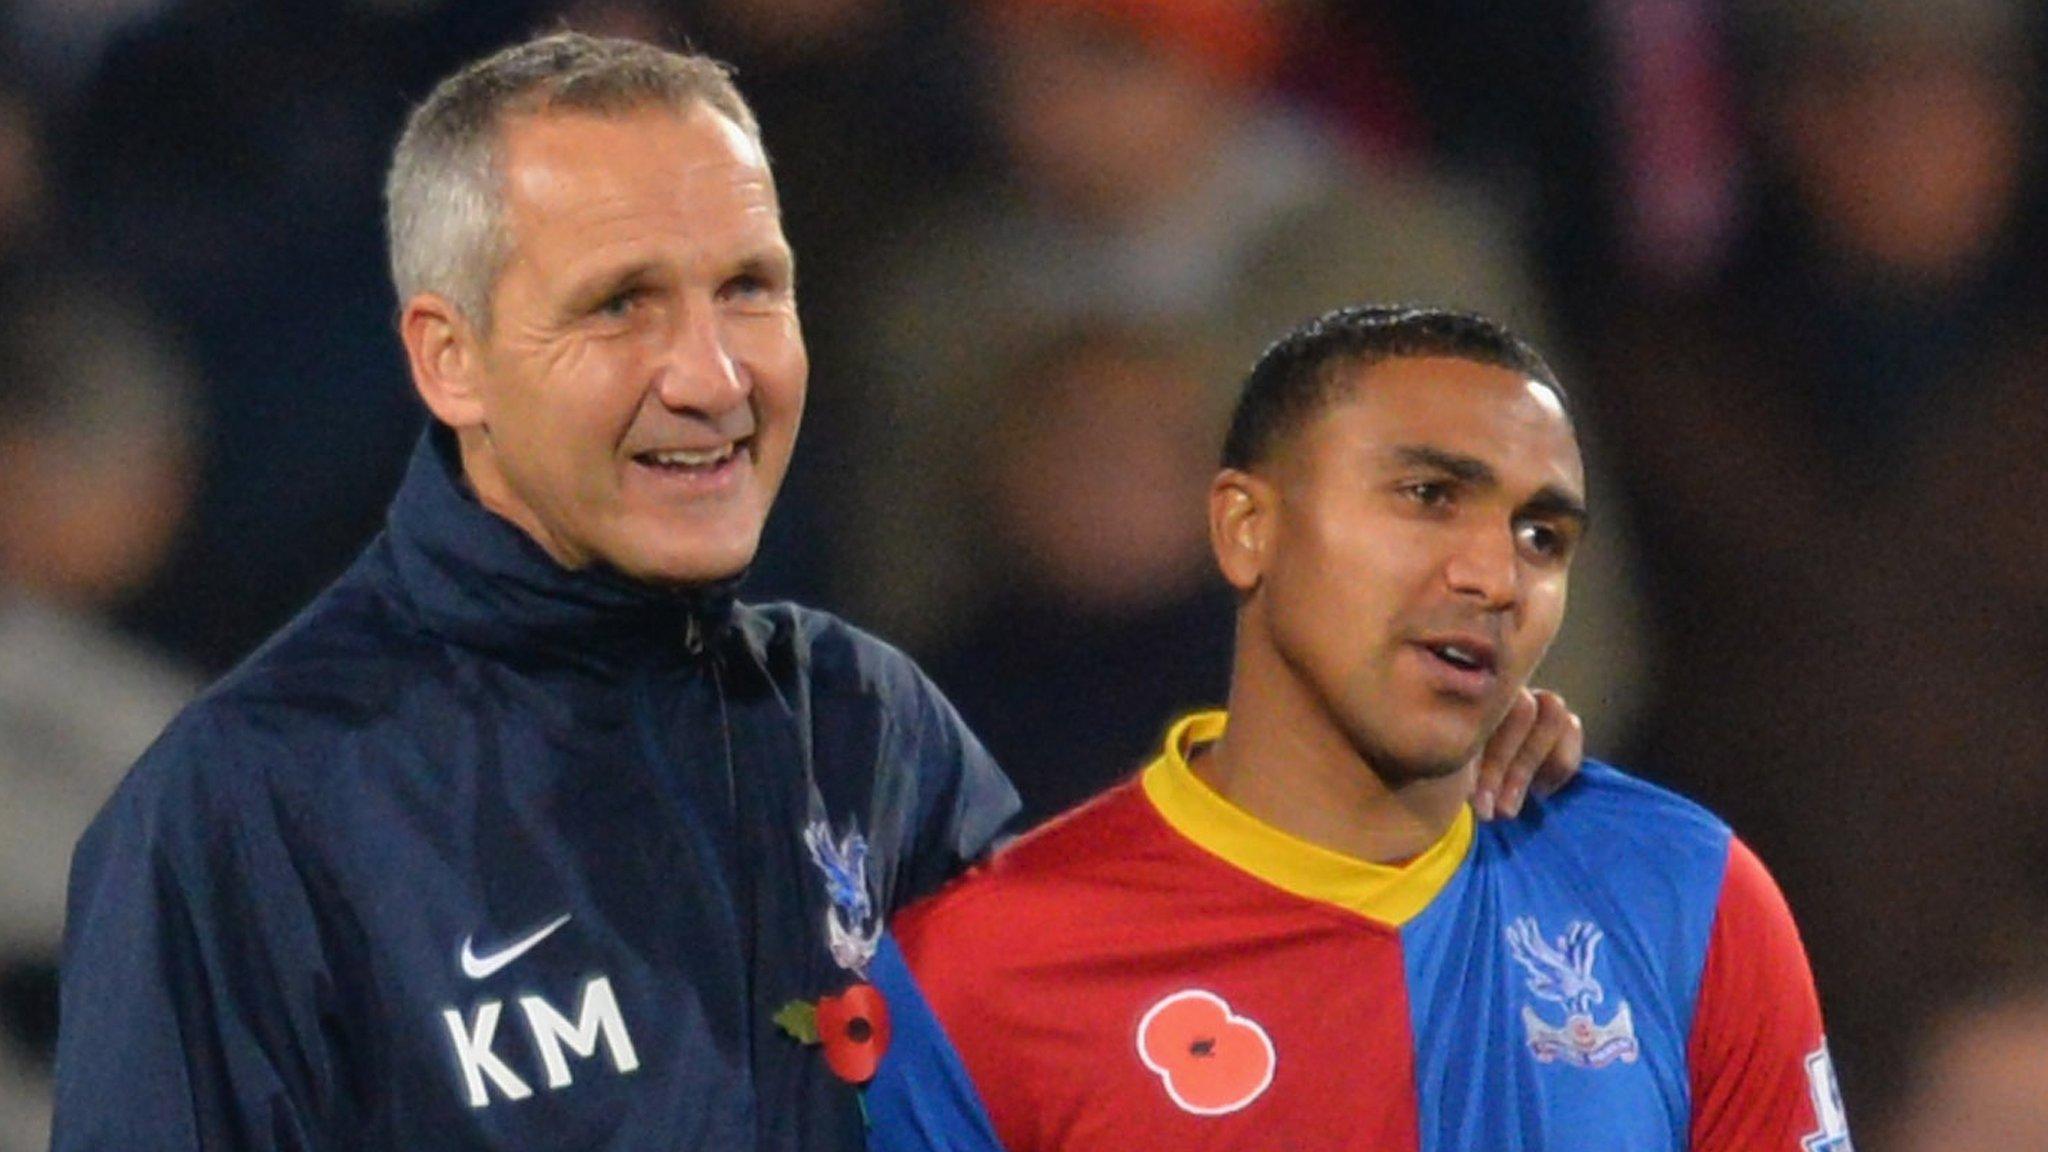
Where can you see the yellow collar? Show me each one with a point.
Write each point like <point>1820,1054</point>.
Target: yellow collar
<point>1387,893</point>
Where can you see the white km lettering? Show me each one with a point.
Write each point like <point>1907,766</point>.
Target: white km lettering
<point>598,1019</point>
<point>473,1050</point>
<point>600,1012</point>
<point>477,967</point>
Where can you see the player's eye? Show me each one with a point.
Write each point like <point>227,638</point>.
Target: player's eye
<point>1428,493</point>
<point>1544,540</point>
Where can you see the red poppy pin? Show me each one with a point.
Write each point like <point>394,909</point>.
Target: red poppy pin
<point>853,1027</point>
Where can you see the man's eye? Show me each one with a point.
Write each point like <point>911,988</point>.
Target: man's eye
<point>1544,540</point>
<point>619,306</point>
<point>747,287</point>
<point>1428,493</point>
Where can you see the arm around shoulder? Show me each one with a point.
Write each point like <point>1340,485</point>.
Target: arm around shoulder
<point>963,804</point>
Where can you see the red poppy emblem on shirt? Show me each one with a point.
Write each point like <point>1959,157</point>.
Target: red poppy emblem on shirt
<point>1211,1060</point>
<point>854,1028</point>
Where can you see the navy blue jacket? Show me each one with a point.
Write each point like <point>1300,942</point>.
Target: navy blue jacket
<point>483,854</point>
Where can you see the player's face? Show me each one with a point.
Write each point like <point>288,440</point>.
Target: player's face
<point>1413,562</point>
<point>642,383</point>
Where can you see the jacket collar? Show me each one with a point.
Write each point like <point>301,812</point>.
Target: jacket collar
<point>480,580</point>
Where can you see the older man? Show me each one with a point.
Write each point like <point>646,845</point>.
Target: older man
<point>526,834</point>
<point>521,834</point>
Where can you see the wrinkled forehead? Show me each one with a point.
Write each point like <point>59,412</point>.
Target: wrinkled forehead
<point>647,136</point>
<point>697,174</point>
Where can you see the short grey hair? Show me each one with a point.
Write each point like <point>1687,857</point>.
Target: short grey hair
<point>444,196</point>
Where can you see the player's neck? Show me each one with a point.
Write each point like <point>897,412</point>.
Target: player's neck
<point>1308,781</point>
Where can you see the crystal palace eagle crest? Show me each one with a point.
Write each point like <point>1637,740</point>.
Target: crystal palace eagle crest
<point>1560,972</point>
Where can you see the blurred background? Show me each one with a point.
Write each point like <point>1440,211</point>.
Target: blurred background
<point>1788,257</point>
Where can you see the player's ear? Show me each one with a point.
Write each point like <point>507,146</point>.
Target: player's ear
<point>1241,511</point>
<point>442,348</point>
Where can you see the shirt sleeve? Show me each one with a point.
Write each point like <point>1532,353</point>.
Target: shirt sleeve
<point>191,991</point>
<point>967,804</point>
<point>922,1098</point>
<point>1761,1075</point>
<point>933,798</point>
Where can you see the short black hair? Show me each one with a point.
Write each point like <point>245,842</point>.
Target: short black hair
<point>1302,373</point>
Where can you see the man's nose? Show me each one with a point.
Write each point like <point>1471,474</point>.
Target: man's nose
<point>698,371</point>
<point>1484,566</point>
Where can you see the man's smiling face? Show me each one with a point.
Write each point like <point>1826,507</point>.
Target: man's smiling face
<point>638,391</point>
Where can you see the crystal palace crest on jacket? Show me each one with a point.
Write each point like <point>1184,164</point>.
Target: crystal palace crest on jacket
<point>852,930</point>
<point>1561,972</point>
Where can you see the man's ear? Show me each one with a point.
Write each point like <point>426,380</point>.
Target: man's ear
<point>1241,512</point>
<point>445,354</point>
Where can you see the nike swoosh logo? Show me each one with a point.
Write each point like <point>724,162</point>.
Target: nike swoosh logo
<point>477,967</point>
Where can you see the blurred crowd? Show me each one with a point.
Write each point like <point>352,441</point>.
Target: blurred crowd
<point>1787,254</point>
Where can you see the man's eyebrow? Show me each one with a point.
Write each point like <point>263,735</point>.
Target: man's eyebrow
<point>1469,469</point>
<point>1549,500</point>
<point>774,261</point>
<point>601,283</point>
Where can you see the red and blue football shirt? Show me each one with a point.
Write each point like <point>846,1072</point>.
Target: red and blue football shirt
<point>1160,969</point>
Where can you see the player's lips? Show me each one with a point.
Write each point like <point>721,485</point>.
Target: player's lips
<point>1462,664</point>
